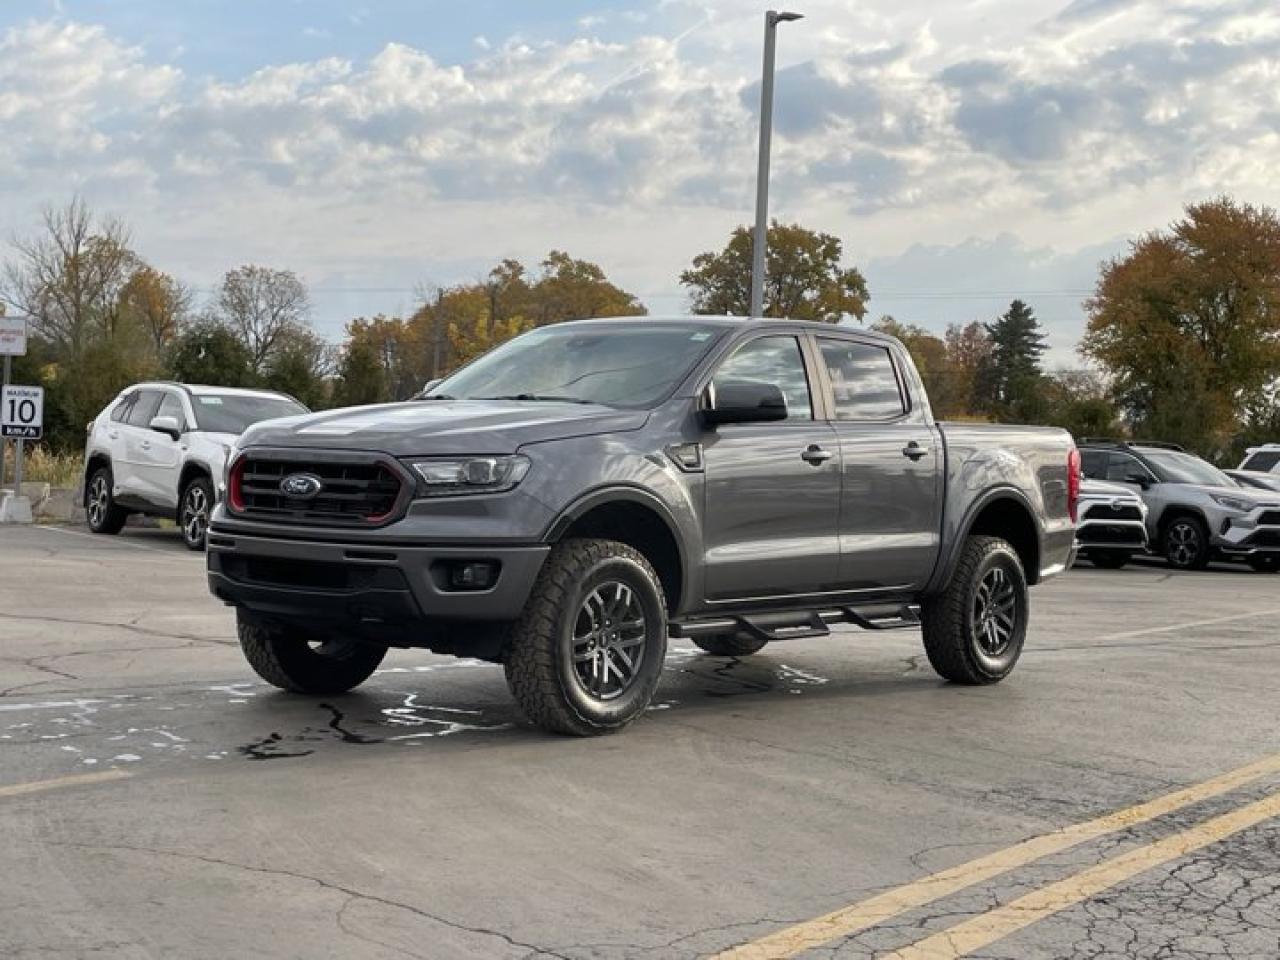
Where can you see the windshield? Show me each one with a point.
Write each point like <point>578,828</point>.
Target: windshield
<point>619,366</point>
<point>1174,467</point>
<point>236,413</point>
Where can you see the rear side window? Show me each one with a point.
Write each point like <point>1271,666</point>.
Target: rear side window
<point>1263,461</point>
<point>864,383</point>
<point>775,360</point>
<point>1093,464</point>
<point>144,409</point>
<point>120,413</point>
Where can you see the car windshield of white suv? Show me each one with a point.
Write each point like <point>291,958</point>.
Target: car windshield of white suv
<point>236,413</point>
<point>631,367</point>
<point>1174,467</point>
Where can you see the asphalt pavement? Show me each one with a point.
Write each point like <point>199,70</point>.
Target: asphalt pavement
<point>1116,797</point>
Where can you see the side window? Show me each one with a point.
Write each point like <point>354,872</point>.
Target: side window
<point>144,410</point>
<point>1122,466</point>
<point>120,414</point>
<point>1093,464</point>
<point>775,360</point>
<point>1264,461</point>
<point>171,406</point>
<point>863,381</point>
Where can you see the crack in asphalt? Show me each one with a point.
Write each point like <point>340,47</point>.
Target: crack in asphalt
<point>351,893</point>
<point>129,626</point>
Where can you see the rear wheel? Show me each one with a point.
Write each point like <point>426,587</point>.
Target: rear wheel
<point>1265,562</point>
<point>294,658</point>
<point>586,655</point>
<point>1186,543</point>
<point>101,510</point>
<point>193,512</point>
<point>1108,559</point>
<point>974,631</point>
<point>731,644</point>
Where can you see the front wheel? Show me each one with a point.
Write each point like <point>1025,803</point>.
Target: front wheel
<point>1108,559</point>
<point>1186,543</point>
<point>293,658</point>
<point>194,507</point>
<point>1265,562</point>
<point>586,655</point>
<point>974,631</point>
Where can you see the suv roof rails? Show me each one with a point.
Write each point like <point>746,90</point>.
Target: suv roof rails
<point>1126,444</point>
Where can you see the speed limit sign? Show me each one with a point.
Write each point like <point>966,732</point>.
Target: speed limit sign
<point>22,412</point>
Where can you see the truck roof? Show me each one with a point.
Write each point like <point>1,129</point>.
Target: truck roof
<point>739,323</point>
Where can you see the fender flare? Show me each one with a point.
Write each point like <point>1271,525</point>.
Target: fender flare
<point>951,557</point>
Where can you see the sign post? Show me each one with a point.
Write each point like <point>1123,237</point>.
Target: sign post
<point>21,418</point>
<point>13,343</point>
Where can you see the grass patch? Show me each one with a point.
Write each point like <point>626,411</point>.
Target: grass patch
<point>42,465</point>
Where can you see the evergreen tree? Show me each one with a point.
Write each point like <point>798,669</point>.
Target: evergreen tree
<point>1010,379</point>
<point>213,354</point>
<point>361,378</point>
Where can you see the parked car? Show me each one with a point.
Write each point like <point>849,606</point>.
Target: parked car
<point>1113,524</point>
<point>1195,511</point>
<point>161,449</point>
<point>570,499</point>
<point>1255,480</point>
<point>1263,459</point>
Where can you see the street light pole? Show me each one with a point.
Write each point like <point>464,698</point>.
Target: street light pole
<point>761,242</point>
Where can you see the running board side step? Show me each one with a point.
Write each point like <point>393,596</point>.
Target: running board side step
<point>799,624</point>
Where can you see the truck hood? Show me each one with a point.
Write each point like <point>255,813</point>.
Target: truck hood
<point>441,427</point>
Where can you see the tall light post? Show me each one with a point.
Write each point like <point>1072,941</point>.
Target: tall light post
<point>761,242</point>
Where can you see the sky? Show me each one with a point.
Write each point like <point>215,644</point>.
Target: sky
<point>967,152</point>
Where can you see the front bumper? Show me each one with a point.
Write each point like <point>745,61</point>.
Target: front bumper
<point>364,583</point>
<point>1111,524</point>
<point>1253,533</point>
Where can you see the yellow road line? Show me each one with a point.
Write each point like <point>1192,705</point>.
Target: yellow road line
<point>39,786</point>
<point>796,939</point>
<point>971,935</point>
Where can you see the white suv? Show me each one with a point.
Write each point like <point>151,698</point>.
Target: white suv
<point>1263,459</point>
<point>161,448</point>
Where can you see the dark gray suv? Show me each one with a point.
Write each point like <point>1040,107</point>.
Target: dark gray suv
<point>566,502</point>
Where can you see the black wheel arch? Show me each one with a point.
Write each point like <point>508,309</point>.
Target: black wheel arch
<point>1003,512</point>
<point>95,462</point>
<point>190,471</point>
<point>638,518</point>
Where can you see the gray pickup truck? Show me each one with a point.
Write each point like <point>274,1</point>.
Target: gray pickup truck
<point>565,503</point>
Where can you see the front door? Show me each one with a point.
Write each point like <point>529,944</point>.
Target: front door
<point>891,501</point>
<point>772,489</point>
<point>160,456</point>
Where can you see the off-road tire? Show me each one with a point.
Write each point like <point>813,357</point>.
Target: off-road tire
<point>950,639</point>
<point>1107,559</point>
<point>108,517</point>
<point>1265,562</point>
<point>192,537</point>
<point>1199,557</point>
<point>731,644</point>
<point>282,655</point>
<point>539,661</point>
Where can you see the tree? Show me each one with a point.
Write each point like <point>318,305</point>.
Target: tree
<point>804,278</point>
<point>263,306</point>
<point>928,352</point>
<point>300,365</point>
<point>570,289</point>
<point>1080,401</point>
<point>361,377</point>
<point>68,279</point>
<point>211,353</point>
<point>1188,323</point>
<point>1009,381</point>
<point>968,354</point>
<point>158,302</point>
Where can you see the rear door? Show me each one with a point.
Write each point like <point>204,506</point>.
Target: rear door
<point>891,458</point>
<point>772,489</point>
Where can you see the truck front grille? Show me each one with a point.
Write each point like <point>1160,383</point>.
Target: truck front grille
<point>352,493</point>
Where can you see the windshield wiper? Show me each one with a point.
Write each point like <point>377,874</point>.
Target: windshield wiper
<point>434,396</point>
<point>540,398</point>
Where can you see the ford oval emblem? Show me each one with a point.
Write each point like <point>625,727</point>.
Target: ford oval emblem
<point>301,486</point>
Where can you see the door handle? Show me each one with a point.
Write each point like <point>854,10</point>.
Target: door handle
<point>146,444</point>
<point>816,455</point>
<point>113,434</point>
<point>913,451</point>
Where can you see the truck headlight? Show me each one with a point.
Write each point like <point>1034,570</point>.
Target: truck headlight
<point>452,477</point>
<point>1232,503</point>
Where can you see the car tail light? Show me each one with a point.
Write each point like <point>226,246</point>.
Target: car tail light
<point>1073,483</point>
<point>235,485</point>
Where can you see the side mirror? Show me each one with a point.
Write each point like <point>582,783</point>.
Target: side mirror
<point>167,425</point>
<point>428,387</point>
<point>745,401</point>
<point>1141,479</point>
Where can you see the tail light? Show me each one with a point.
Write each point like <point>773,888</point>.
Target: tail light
<point>1073,483</point>
<point>235,485</point>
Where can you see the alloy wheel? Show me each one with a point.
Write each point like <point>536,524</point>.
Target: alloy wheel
<point>99,501</point>
<point>195,514</point>
<point>609,640</point>
<point>1184,544</point>
<point>995,607</point>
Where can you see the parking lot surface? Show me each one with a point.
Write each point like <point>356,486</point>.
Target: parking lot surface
<point>1116,797</point>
